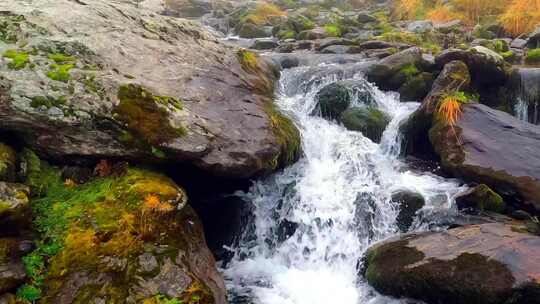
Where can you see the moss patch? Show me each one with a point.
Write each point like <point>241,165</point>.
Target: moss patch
<point>146,114</point>
<point>60,72</point>
<point>533,56</point>
<point>19,59</point>
<point>47,101</point>
<point>287,136</point>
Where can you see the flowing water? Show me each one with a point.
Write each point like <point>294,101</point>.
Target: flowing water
<point>314,220</point>
<point>527,95</point>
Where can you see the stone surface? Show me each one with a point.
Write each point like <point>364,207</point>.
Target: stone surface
<point>335,98</point>
<point>370,121</point>
<point>8,163</point>
<point>482,198</point>
<point>208,102</point>
<point>409,203</point>
<point>488,263</point>
<point>492,147</point>
<point>382,71</point>
<point>14,207</point>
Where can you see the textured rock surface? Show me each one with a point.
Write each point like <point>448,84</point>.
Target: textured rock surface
<point>8,162</point>
<point>492,147</point>
<point>63,96</point>
<point>14,207</point>
<point>488,263</point>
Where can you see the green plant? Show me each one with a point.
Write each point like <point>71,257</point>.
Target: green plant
<point>533,56</point>
<point>28,293</point>
<point>409,71</point>
<point>287,135</point>
<point>19,60</point>
<point>60,72</point>
<point>61,58</point>
<point>162,299</point>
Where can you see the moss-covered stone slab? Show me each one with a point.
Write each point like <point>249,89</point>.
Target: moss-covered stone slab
<point>487,263</point>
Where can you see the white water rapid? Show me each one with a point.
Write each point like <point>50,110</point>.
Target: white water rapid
<point>314,220</point>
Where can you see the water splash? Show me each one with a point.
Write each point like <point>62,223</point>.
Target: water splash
<point>314,221</point>
<point>527,95</point>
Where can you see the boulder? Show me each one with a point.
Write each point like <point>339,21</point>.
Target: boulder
<point>421,26</point>
<point>251,31</point>
<point>264,44</point>
<point>481,198</point>
<point>335,98</point>
<point>324,43</point>
<point>370,121</point>
<point>366,18</point>
<point>382,71</point>
<point>123,238</point>
<point>14,207</point>
<point>340,49</point>
<point>8,163</point>
<point>489,146</point>
<point>450,27</point>
<point>409,203</point>
<point>487,68</point>
<point>379,44</point>
<point>312,34</point>
<point>191,100</point>
<point>490,263</point>
<point>416,87</point>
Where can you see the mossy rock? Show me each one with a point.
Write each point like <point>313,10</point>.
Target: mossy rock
<point>416,87</point>
<point>476,264</point>
<point>368,120</point>
<point>14,208</point>
<point>94,236</point>
<point>481,198</point>
<point>336,97</point>
<point>148,115</point>
<point>251,31</point>
<point>8,163</point>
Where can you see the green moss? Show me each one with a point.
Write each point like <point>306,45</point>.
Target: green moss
<point>92,86</point>
<point>19,60</point>
<point>333,30</point>
<point>248,60</point>
<point>146,115</point>
<point>508,56</point>
<point>61,58</point>
<point>47,101</point>
<point>287,34</point>
<point>488,199</point>
<point>10,27</point>
<point>29,293</point>
<point>533,56</point>
<point>409,71</point>
<point>60,72</point>
<point>287,136</point>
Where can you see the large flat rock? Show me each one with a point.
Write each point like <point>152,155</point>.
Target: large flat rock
<point>117,79</point>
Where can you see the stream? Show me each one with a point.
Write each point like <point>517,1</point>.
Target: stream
<point>313,221</point>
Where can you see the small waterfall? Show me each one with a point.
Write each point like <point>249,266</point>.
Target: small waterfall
<point>314,220</point>
<point>527,94</point>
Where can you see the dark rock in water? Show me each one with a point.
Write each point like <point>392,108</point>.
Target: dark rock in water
<point>86,98</point>
<point>416,87</point>
<point>286,229</point>
<point>382,72</point>
<point>409,203</point>
<point>12,270</point>
<point>467,150</point>
<point>366,18</point>
<point>370,121</point>
<point>14,208</point>
<point>8,163</point>
<point>454,76</point>
<point>335,98</point>
<point>479,264</point>
<point>264,44</point>
<point>481,198</point>
<point>486,66</point>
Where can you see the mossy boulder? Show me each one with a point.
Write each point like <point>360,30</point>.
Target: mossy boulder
<point>75,97</point>
<point>250,31</point>
<point>128,237</point>
<point>383,72</point>
<point>370,121</point>
<point>416,87</point>
<point>482,198</point>
<point>488,264</point>
<point>313,34</point>
<point>336,97</point>
<point>14,207</point>
<point>8,163</point>
<point>409,203</point>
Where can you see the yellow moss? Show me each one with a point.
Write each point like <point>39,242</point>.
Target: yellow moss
<point>287,136</point>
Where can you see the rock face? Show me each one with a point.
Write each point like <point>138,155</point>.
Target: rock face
<point>492,147</point>
<point>14,207</point>
<point>101,79</point>
<point>487,263</point>
<point>369,120</point>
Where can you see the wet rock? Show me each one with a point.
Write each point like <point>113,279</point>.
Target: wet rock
<point>481,198</point>
<point>8,163</point>
<point>250,31</point>
<point>382,72</point>
<point>416,87</point>
<point>12,271</point>
<point>264,44</point>
<point>409,203</point>
<point>486,66</point>
<point>488,263</point>
<point>335,98</point>
<point>370,121</point>
<point>366,18</point>
<point>14,207</point>
<point>83,98</point>
<point>466,150</point>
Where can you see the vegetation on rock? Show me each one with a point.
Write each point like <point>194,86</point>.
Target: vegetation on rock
<point>19,59</point>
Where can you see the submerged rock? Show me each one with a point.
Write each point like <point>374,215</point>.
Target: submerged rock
<point>160,89</point>
<point>335,98</point>
<point>479,264</point>
<point>370,121</point>
<point>409,203</point>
